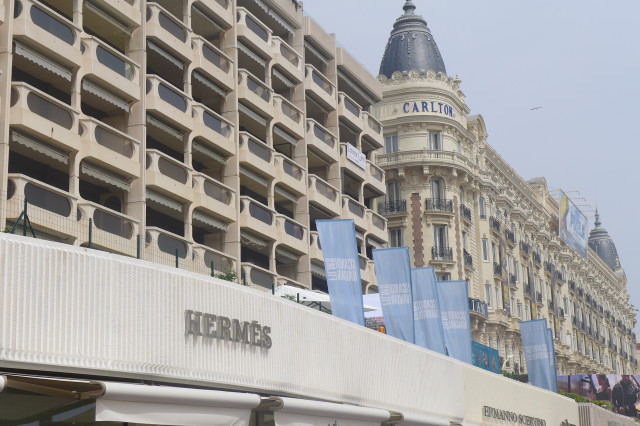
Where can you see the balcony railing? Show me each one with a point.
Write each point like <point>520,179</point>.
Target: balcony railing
<point>51,22</point>
<point>468,259</point>
<point>392,207</point>
<point>510,236</point>
<point>538,297</point>
<point>494,223</point>
<point>497,268</point>
<point>322,134</point>
<point>439,205</point>
<point>548,266</point>
<point>465,212</point>
<point>257,210</point>
<point>513,279</point>
<point>44,105</point>
<point>525,247</point>
<point>536,257</point>
<point>559,276</point>
<point>442,253</point>
<point>109,137</point>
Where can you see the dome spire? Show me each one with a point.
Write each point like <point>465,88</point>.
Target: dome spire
<point>409,8</point>
<point>597,222</point>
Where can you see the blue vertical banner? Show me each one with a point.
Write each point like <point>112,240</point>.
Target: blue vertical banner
<point>453,297</point>
<point>426,310</point>
<point>540,360</point>
<point>342,266</point>
<point>393,272</point>
<point>553,372</point>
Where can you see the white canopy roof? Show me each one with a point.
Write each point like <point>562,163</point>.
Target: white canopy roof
<point>312,298</point>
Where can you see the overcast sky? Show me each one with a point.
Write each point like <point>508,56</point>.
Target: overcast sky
<point>578,60</point>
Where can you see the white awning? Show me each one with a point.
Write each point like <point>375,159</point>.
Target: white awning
<point>274,15</point>
<point>284,135</point>
<point>318,271</point>
<point>210,84</point>
<point>132,403</point>
<point>166,55</point>
<point>208,152</point>
<point>164,201</point>
<point>40,147</point>
<point>104,94</point>
<point>42,61</point>
<point>255,116</point>
<point>277,74</point>
<point>287,255</point>
<point>253,241</point>
<point>247,51</point>
<point>107,17</point>
<point>209,220</point>
<point>205,16</point>
<point>105,176</point>
<point>302,411</point>
<point>420,420</point>
<point>312,298</point>
<point>160,125</point>
<point>285,194</point>
<point>254,177</point>
<point>3,382</point>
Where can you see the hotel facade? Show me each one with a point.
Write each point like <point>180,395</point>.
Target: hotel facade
<point>461,208</point>
<point>152,144</point>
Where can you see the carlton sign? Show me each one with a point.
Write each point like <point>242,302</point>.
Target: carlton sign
<point>432,107</point>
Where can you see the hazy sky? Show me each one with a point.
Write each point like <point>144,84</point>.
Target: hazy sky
<point>578,60</point>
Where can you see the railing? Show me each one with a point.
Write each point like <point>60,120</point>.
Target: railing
<point>324,188</point>
<point>290,167</point>
<point>256,210</point>
<point>536,257</point>
<point>254,85</point>
<point>376,172</point>
<point>322,134</point>
<point>110,57</point>
<point>320,80</point>
<point>254,24</point>
<point>465,212</point>
<point>256,147</point>
<point>107,220</point>
<point>439,205</point>
<point>287,108</point>
<point>109,137</point>
<point>442,253</point>
<point>468,259</point>
<point>50,21</point>
<point>424,155</point>
<point>286,51</point>
<point>510,236</point>
<point>212,54</point>
<point>525,248</point>
<point>167,166</point>
<point>257,277</point>
<point>42,195</point>
<point>44,105</point>
<point>372,122</point>
<point>392,207</point>
<point>204,256</point>
<point>494,223</point>
<point>167,242</point>
<point>213,120</point>
<point>213,189</point>
<point>168,22</point>
<point>349,104</point>
<point>479,307</point>
<point>353,206</point>
<point>377,221</point>
<point>497,268</point>
<point>292,228</point>
<point>167,93</point>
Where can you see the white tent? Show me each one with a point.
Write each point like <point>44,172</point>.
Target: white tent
<point>315,299</point>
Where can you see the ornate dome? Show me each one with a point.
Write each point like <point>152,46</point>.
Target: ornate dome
<point>603,245</point>
<point>411,46</point>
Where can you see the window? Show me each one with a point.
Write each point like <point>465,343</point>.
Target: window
<point>459,147</point>
<point>437,189</point>
<point>494,252</point>
<point>390,144</point>
<point>487,295</point>
<point>464,240</point>
<point>393,190</point>
<point>461,195</point>
<point>520,311</point>
<point>483,208</point>
<point>435,141</point>
<point>395,237</point>
<point>515,270</point>
<point>485,250</point>
<point>443,277</point>
<point>526,313</point>
<point>440,237</point>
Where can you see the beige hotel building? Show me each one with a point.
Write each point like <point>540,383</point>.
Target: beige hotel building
<point>461,208</point>
<point>210,134</point>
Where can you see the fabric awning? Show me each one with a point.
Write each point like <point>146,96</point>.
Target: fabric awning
<point>105,176</point>
<point>247,51</point>
<point>253,241</point>
<point>356,87</point>
<point>210,84</point>
<point>319,55</point>
<point>318,271</point>
<point>104,94</point>
<point>209,220</point>
<point>285,194</point>
<point>254,116</point>
<point>302,411</point>
<point>195,8</point>
<point>284,135</point>
<point>40,147</point>
<point>42,61</point>
<point>160,125</point>
<point>420,420</point>
<point>164,200</point>
<point>166,55</point>
<point>286,255</point>
<point>145,404</point>
<point>107,17</point>
<point>207,152</point>
<point>254,177</point>
<point>277,74</point>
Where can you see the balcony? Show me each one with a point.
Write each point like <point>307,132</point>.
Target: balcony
<point>441,254</point>
<point>324,195</point>
<point>468,259</point>
<point>559,277</point>
<point>322,90</point>
<point>379,228</point>
<point>513,280</point>
<point>479,308</point>
<point>214,196</point>
<point>111,68</point>
<point>322,142</point>
<point>258,218</point>
<point>525,248</point>
<point>375,177</point>
<point>287,115</point>
<point>353,160</point>
<point>351,209</point>
<point>287,59</point>
<point>109,147</point>
<point>221,9</point>
<point>367,270</point>
<point>204,256</point>
<point>439,205</point>
<point>292,234</point>
<point>256,155</point>
<point>214,128</point>
<point>465,213</point>
<point>112,231</point>
<point>44,116</point>
<point>536,258</point>
<point>257,94</point>
<point>50,209</point>
<point>349,111</point>
<point>212,62</point>
<point>393,207</point>
<point>169,175</point>
<point>165,247</point>
<point>428,157</point>
<point>126,10</point>
<point>539,297</point>
<point>168,31</point>
<point>256,277</point>
<point>527,290</point>
<point>497,269</point>
<point>510,236</point>
<point>171,104</point>
<point>52,34</point>
<point>254,33</point>
<point>494,224</point>
<point>290,174</point>
<point>372,129</point>
<point>549,267</point>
